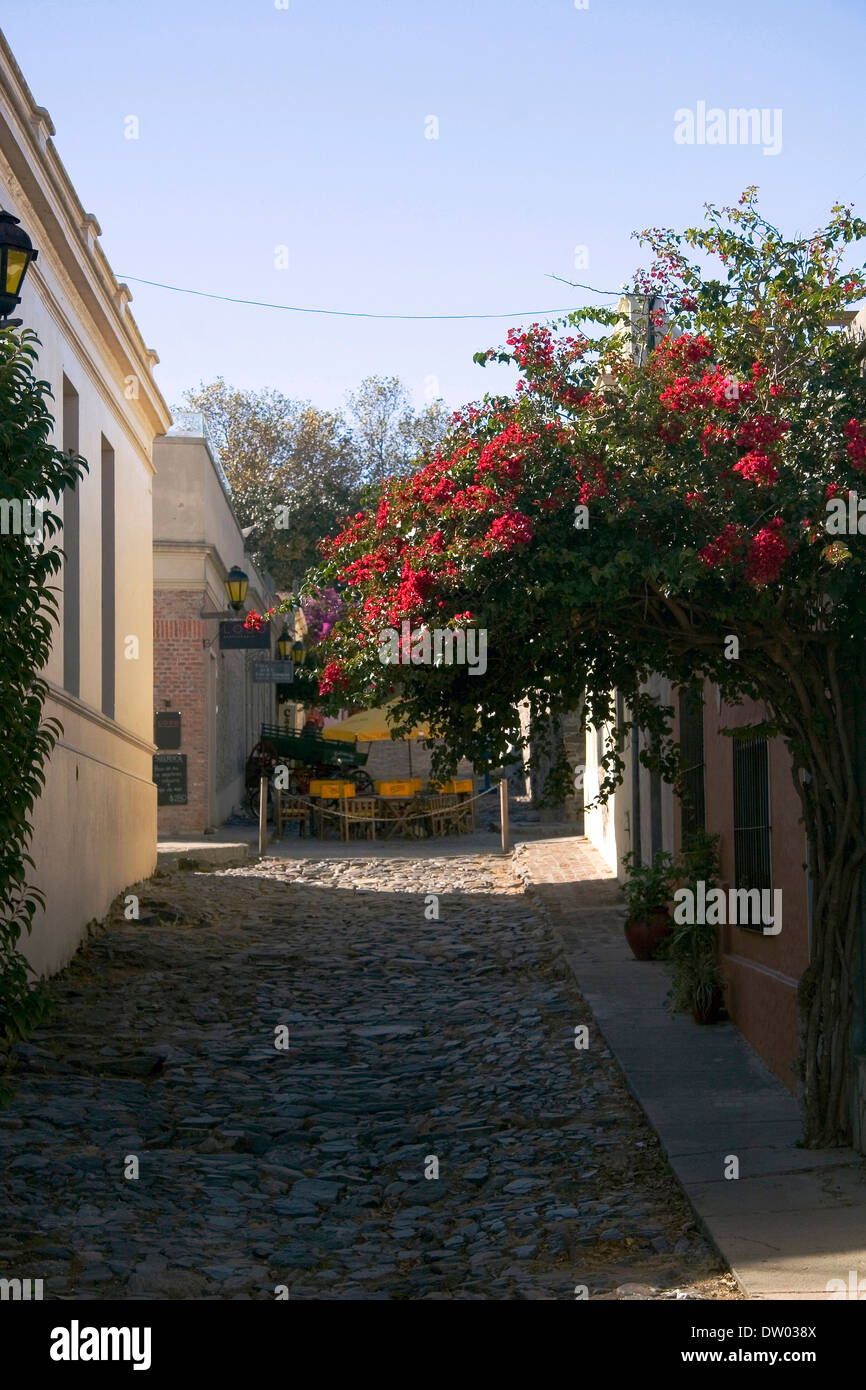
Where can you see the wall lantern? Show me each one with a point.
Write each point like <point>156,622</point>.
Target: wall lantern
<point>298,653</point>
<point>236,584</point>
<point>16,253</point>
<point>284,645</point>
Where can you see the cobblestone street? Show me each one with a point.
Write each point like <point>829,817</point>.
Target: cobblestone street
<point>412,1040</point>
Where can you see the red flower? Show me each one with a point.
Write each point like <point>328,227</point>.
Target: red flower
<point>332,678</point>
<point>724,547</point>
<point>254,621</point>
<point>757,468</point>
<point>761,430</point>
<point>766,554</point>
<point>510,530</point>
<point>856,444</point>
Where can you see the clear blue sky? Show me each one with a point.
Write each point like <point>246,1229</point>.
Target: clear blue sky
<point>305,127</point>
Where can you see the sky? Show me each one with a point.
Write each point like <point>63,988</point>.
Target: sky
<point>420,157</point>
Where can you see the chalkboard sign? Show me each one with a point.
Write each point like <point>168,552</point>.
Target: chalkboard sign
<point>169,774</point>
<point>235,637</point>
<point>273,673</point>
<point>166,728</point>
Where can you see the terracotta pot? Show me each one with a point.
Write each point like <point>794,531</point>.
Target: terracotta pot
<point>645,934</point>
<point>712,1011</point>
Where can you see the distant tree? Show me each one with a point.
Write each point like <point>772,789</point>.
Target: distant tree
<point>389,435</point>
<point>293,469</point>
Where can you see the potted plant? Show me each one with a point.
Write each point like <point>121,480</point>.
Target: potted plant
<point>693,947</point>
<point>648,890</point>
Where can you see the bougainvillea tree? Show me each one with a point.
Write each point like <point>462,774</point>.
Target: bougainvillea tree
<point>624,512</point>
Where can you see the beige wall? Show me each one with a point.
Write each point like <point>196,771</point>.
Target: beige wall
<point>196,541</point>
<point>95,825</point>
<point>612,828</point>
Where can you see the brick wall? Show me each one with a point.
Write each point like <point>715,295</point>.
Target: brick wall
<point>180,677</point>
<point>389,760</point>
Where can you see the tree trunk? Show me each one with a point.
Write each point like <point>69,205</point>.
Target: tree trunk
<point>834,824</point>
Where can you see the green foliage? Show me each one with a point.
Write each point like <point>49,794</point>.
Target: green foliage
<point>293,471</point>
<point>31,468</point>
<point>648,887</point>
<point>296,471</point>
<point>389,436</point>
<point>693,947</point>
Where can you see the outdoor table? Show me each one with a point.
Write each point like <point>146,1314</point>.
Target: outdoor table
<point>404,815</point>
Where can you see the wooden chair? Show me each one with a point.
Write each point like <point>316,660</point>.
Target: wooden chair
<point>464,816</point>
<point>364,812</point>
<point>436,814</point>
<point>286,808</point>
<point>451,813</point>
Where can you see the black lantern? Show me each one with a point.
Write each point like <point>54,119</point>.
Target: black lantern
<point>284,645</point>
<point>16,253</point>
<point>236,584</point>
<point>298,652</point>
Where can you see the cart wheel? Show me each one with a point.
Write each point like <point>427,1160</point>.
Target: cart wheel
<point>252,801</point>
<point>363,783</point>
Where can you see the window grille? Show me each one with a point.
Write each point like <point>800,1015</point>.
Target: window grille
<point>692,802</point>
<point>752,867</point>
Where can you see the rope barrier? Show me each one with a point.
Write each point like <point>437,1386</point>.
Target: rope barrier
<point>459,806</point>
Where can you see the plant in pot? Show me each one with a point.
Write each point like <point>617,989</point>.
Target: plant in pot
<point>693,947</point>
<point>648,889</point>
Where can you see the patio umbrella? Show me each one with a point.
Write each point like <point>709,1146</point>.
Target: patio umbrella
<point>372,726</point>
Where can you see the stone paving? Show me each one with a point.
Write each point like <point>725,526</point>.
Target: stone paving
<point>415,1043</point>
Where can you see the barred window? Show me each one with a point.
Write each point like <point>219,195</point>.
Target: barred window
<point>752,868</point>
<point>692,803</point>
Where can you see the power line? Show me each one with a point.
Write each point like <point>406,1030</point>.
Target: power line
<point>346,313</point>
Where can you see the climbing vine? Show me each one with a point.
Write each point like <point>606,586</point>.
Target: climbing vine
<point>33,474</point>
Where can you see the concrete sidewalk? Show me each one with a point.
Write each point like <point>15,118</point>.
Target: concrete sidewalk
<point>794,1219</point>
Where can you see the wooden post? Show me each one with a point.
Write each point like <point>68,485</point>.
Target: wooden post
<point>503,813</point>
<point>263,814</point>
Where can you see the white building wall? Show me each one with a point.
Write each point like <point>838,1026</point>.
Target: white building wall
<point>95,824</point>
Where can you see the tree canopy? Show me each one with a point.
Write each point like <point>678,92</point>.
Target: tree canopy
<point>294,469</point>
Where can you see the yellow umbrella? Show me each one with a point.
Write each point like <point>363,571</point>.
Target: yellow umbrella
<point>370,726</point>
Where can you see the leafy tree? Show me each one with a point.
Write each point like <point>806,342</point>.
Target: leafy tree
<point>32,471</point>
<point>293,471</point>
<point>389,436</point>
<point>623,513</point>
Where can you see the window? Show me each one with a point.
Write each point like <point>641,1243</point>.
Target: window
<point>752,868</point>
<point>635,796</point>
<point>70,540</point>
<point>692,804</point>
<point>108,580</point>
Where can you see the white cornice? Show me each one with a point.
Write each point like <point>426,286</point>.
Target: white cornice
<point>71,235</point>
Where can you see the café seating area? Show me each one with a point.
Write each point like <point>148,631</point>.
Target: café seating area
<point>397,810</point>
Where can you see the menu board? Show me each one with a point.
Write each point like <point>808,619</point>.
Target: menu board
<point>169,774</point>
<point>166,728</point>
